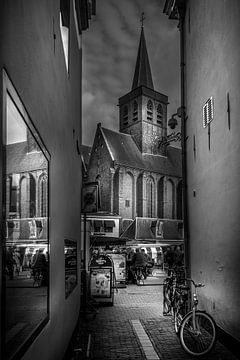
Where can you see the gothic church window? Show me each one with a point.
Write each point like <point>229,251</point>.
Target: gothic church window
<point>125,115</point>
<point>160,211</point>
<point>149,110</point>
<point>13,196</point>
<point>139,195</point>
<point>159,114</point>
<point>43,196</point>
<point>116,192</point>
<point>135,110</point>
<point>150,189</point>
<point>170,200</point>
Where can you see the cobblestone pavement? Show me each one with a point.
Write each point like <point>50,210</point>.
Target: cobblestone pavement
<point>134,329</point>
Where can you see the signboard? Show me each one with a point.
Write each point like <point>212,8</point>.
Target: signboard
<point>101,278</point>
<point>90,197</point>
<point>101,282</point>
<point>70,252</point>
<point>119,261</point>
<point>101,261</point>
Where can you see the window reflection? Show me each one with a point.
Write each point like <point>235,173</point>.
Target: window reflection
<point>26,236</point>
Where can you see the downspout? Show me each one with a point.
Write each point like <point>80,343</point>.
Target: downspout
<point>181,12</point>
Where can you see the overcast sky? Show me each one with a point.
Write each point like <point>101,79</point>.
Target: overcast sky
<point>109,55</point>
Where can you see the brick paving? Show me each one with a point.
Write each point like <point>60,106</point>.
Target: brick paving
<point>134,329</point>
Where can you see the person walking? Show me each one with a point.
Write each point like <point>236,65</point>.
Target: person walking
<point>138,260</point>
<point>169,259</point>
<point>40,264</point>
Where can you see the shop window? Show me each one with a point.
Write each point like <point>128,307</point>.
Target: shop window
<point>98,226</point>
<point>25,242</point>
<point>109,225</point>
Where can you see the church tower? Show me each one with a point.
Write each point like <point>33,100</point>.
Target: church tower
<point>143,111</point>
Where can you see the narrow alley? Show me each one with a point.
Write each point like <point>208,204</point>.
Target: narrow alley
<point>134,329</point>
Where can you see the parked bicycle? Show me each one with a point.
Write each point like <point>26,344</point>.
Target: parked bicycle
<point>197,329</point>
<point>176,276</point>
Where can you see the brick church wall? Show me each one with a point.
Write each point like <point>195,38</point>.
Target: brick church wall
<point>99,170</point>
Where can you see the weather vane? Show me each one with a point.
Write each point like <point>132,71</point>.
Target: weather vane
<point>142,18</point>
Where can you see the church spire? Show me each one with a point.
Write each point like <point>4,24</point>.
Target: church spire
<point>142,74</point>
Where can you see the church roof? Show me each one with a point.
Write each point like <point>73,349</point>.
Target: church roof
<point>142,74</point>
<point>19,160</point>
<point>124,151</point>
<point>86,152</point>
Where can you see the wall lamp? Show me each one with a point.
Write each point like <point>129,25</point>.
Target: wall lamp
<point>172,123</point>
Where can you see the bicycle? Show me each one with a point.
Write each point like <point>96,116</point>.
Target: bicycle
<point>170,283</point>
<point>139,275</point>
<point>180,305</point>
<point>197,329</point>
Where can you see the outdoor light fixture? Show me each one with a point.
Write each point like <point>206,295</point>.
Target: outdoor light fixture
<point>172,123</point>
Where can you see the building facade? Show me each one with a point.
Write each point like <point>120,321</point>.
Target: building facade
<point>137,175</point>
<point>210,52</point>
<point>40,62</point>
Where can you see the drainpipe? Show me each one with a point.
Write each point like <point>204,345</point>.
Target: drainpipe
<point>181,12</point>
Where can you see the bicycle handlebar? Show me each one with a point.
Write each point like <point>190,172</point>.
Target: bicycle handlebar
<point>196,285</point>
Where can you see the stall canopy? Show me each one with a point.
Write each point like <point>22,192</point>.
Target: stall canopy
<point>154,231</point>
<point>106,240</point>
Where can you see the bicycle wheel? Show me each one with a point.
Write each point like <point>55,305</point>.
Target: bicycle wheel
<point>200,341</point>
<point>167,294</point>
<point>177,318</point>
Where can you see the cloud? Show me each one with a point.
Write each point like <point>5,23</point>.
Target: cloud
<point>109,54</point>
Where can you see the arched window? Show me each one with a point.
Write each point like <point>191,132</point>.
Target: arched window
<point>125,115</point>
<point>160,209</point>
<point>150,196</point>
<point>43,196</point>
<point>128,196</point>
<point>135,110</point>
<point>116,192</point>
<point>32,203</point>
<point>150,110</point>
<point>139,190</point>
<point>23,198</point>
<point>159,114</point>
<point>150,105</point>
<point>169,209</point>
<point>12,195</point>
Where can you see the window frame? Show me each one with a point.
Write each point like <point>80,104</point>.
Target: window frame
<point>9,90</point>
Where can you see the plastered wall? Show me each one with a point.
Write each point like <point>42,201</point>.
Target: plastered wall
<point>213,168</point>
<point>33,58</point>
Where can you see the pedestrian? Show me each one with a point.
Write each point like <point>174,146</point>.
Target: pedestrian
<point>10,262</point>
<point>138,260</point>
<point>169,259</point>
<point>178,256</point>
<point>147,259</point>
<point>40,264</point>
<point>17,260</point>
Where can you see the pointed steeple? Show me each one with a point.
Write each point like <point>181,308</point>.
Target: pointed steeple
<point>142,74</point>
